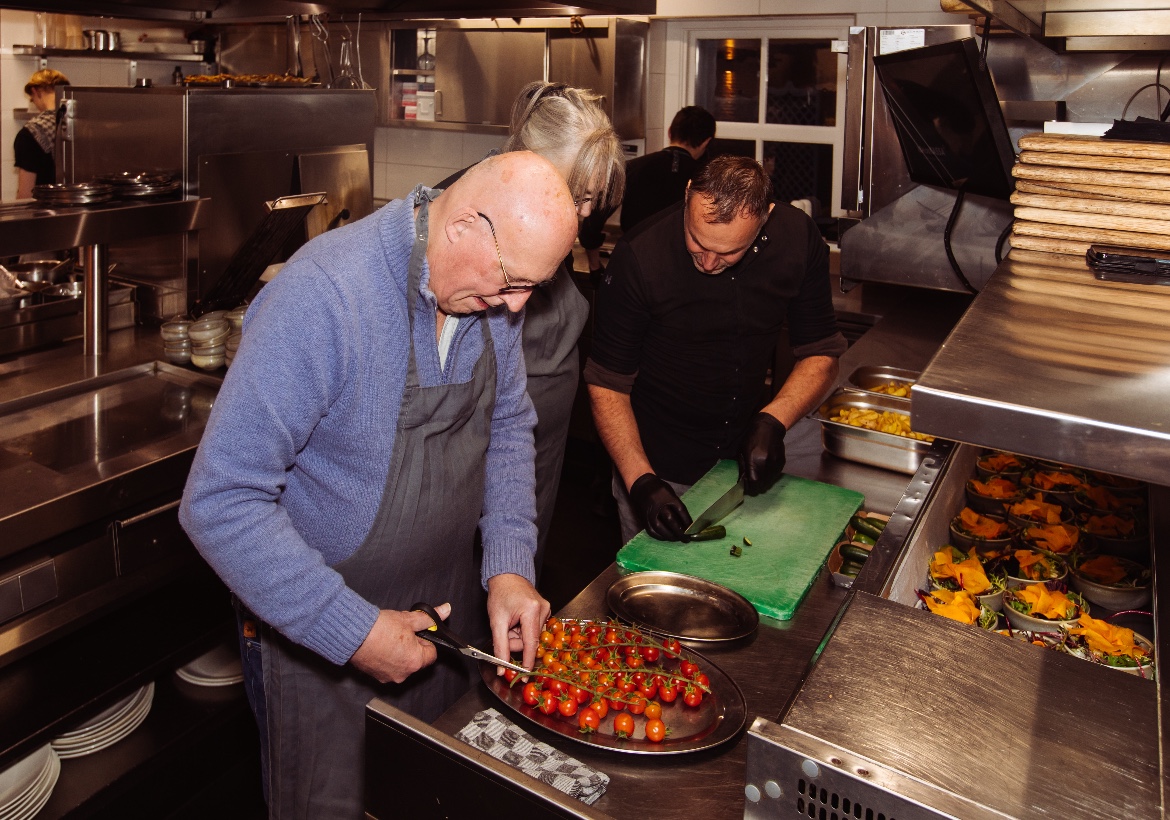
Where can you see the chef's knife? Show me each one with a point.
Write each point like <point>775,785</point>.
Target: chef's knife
<point>719,510</point>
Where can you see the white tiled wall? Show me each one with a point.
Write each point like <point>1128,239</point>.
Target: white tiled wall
<point>404,157</point>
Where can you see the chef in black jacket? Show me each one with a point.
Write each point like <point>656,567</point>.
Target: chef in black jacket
<point>34,143</point>
<point>656,181</point>
<point>688,317</point>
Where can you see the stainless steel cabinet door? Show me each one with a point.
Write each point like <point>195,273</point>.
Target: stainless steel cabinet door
<point>479,73</point>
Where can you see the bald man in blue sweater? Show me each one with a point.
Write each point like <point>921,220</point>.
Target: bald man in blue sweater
<point>374,417</point>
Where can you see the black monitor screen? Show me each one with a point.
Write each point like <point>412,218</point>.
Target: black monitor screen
<point>948,119</point>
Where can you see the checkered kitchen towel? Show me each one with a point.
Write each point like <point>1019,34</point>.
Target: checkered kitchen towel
<point>491,732</point>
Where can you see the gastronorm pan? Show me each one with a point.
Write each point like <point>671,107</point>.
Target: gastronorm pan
<point>869,376</point>
<point>871,447</point>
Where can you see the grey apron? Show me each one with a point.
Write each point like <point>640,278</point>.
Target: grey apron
<point>420,548</point>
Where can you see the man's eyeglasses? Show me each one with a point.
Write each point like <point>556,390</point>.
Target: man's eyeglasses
<point>508,286</point>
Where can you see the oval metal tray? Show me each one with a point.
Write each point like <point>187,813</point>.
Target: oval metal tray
<point>682,606</point>
<point>718,719</point>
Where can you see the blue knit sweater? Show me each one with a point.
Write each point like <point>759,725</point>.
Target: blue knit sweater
<point>293,463</point>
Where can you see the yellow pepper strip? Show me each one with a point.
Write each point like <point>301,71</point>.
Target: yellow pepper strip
<point>981,525</point>
<point>1104,569</point>
<point>1104,637</point>
<point>1054,537</point>
<point>958,606</point>
<point>1055,481</point>
<point>995,488</point>
<point>968,574</point>
<point>1103,499</point>
<point>1033,565</point>
<point>1046,603</point>
<point>999,462</point>
<point>1037,509</point>
<point>883,422</point>
<point>1110,525</point>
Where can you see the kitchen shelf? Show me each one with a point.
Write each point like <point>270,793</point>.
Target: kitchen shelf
<point>400,72</point>
<point>121,54</point>
<point>1052,363</point>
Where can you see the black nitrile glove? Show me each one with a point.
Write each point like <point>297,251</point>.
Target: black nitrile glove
<point>660,508</point>
<point>761,459</point>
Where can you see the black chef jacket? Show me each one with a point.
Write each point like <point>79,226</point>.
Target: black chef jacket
<point>693,349</point>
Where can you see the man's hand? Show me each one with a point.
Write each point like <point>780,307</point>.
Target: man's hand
<point>661,510</point>
<point>517,614</point>
<point>761,459</point>
<point>392,652</point>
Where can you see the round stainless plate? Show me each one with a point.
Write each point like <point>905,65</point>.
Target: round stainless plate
<point>682,606</point>
<point>716,720</point>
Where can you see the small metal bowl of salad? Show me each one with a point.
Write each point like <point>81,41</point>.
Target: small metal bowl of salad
<point>954,569</point>
<point>1113,647</point>
<point>986,533</point>
<point>1036,608</point>
<point>1024,567</point>
<point>1113,582</point>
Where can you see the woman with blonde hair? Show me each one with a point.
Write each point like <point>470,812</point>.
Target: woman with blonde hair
<point>568,127</point>
<point>34,144</point>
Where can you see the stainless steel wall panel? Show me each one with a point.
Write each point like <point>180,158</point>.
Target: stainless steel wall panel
<point>478,74</point>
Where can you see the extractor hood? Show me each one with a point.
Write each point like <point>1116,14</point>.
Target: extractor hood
<point>1082,25</point>
<point>255,10</point>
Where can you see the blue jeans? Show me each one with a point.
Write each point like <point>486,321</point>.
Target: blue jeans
<point>248,629</point>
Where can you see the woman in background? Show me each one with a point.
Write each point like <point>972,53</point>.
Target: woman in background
<point>34,143</point>
<point>568,127</point>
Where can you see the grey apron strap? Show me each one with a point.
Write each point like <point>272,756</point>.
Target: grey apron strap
<point>420,547</point>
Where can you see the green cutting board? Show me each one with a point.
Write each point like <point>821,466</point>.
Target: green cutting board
<point>792,527</point>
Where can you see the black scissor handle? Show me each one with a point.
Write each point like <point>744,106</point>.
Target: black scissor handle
<point>438,633</point>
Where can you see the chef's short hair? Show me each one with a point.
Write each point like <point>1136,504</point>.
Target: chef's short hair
<point>736,186</point>
<point>568,127</point>
<point>45,78</point>
<point>692,126</point>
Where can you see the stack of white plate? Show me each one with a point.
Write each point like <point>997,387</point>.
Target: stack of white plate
<point>26,785</point>
<point>107,728</point>
<point>219,667</point>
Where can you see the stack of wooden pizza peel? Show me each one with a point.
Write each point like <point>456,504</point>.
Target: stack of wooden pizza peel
<point>1075,191</point>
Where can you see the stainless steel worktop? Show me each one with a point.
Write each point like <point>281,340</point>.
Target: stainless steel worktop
<point>27,227</point>
<point>1052,363</point>
<point>770,666</point>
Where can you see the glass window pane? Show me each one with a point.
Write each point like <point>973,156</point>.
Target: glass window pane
<point>728,82</point>
<point>801,170</point>
<point>802,82</point>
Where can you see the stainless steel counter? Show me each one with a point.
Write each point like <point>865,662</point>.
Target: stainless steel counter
<point>770,666</point>
<point>1052,363</point>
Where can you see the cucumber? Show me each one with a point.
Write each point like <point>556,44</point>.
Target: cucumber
<point>850,568</point>
<point>866,527</point>
<point>862,538</point>
<point>709,534</point>
<point>850,552</point>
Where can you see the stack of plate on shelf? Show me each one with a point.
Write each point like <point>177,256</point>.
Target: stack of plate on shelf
<point>26,785</point>
<point>107,728</point>
<point>140,184</point>
<point>73,193</point>
<point>219,667</point>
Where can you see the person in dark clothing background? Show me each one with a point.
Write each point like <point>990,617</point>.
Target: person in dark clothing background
<point>33,146</point>
<point>656,181</point>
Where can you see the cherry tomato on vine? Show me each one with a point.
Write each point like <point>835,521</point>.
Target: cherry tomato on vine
<point>693,696</point>
<point>600,706</point>
<point>667,693</point>
<point>650,653</point>
<point>687,669</point>
<point>623,725</point>
<point>703,681</point>
<point>647,690</point>
<point>615,700</point>
<point>547,703</point>
<point>655,731</point>
<point>567,707</point>
<point>530,693</point>
<point>672,647</point>
<point>556,687</point>
<point>653,710</point>
<point>588,721</point>
<point>637,704</point>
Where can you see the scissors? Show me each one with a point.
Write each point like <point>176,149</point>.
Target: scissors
<point>438,634</point>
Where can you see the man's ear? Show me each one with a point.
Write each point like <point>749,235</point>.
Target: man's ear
<point>458,223</point>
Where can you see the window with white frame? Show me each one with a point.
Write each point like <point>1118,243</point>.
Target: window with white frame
<point>777,90</point>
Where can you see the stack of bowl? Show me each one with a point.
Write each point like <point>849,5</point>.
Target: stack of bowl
<point>208,340</point>
<point>235,318</point>
<point>176,342</point>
